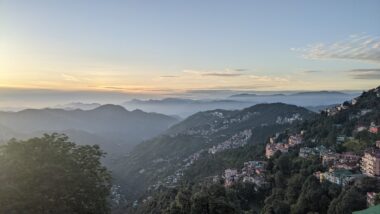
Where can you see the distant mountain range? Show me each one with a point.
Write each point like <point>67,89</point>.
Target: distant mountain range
<point>184,107</point>
<point>305,93</point>
<point>187,107</point>
<point>245,95</point>
<point>111,126</point>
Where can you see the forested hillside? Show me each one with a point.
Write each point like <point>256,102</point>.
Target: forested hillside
<point>164,160</point>
<point>112,127</point>
<point>294,186</point>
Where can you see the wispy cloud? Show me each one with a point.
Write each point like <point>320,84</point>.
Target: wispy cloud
<point>240,69</point>
<point>356,47</point>
<point>310,71</point>
<point>168,76</point>
<point>223,73</point>
<point>269,79</point>
<point>366,73</point>
<point>70,78</point>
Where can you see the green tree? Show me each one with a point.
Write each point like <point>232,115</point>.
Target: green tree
<point>52,175</point>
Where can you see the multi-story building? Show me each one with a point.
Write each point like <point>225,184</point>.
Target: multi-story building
<point>306,152</point>
<point>370,163</point>
<point>341,177</point>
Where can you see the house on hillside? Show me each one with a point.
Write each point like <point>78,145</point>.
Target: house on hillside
<point>231,176</point>
<point>340,177</point>
<point>306,152</point>
<point>371,198</point>
<point>295,140</point>
<point>272,148</point>
<point>373,128</point>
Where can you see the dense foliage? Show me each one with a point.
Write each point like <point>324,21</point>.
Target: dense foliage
<point>52,175</point>
<point>295,189</point>
<point>207,198</point>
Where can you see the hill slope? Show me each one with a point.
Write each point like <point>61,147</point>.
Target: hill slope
<point>292,185</point>
<point>111,126</point>
<point>162,161</point>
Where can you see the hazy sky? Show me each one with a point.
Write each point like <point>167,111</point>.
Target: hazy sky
<point>172,46</point>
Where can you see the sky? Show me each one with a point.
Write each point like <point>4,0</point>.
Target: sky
<point>174,46</point>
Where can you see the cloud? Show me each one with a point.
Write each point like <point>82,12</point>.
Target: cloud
<point>223,73</point>
<point>269,79</point>
<point>311,71</point>
<point>240,69</point>
<point>365,73</point>
<point>168,76</point>
<point>357,47</point>
<point>69,78</point>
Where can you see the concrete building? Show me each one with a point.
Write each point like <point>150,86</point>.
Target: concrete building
<point>370,163</point>
<point>341,177</point>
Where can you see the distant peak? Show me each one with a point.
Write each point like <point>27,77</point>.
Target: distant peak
<point>138,111</point>
<point>110,107</point>
<point>319,93</point>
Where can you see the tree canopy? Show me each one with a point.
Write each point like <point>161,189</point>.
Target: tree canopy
<point>52,175</point>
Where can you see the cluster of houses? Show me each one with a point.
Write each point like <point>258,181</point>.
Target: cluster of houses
<point>334,110</point>
<point>273,146</point>
<point>236,141</point>
<point>344,167</point>
<point>290,120</point>
<point>370,162</point>
<point>173,179</point>
<point>252,172</point>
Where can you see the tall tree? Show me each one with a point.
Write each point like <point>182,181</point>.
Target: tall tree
<point>52,175</point>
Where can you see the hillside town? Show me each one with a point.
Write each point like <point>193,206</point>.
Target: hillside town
<point>333,164</point>
<point>342,168</point>
<point>236,141</point>
<point>274,145</point>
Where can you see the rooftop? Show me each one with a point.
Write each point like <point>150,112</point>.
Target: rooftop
<point>371,210</point>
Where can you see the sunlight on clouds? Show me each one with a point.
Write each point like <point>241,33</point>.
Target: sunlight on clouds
<point>361,47</point>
